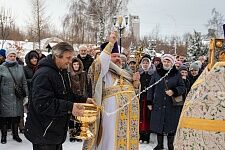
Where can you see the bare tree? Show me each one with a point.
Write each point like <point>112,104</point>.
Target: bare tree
<point>16,34</point>
<point>89,20</point>
<point>6,24</point>
<point>103,11</point>
<point>216,23</point>
<point>39,27</point>
<point>74,23</point>
<point>164,44</point>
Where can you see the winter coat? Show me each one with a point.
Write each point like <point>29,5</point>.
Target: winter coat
<point>165,116</point>
<point>192,79</point>
<point>187,88</point>
<point>50,104</point>
<point>79,81</point>
<point>29,69</point>
<point>87,61</point>
<point>10,105</point>
<point>145,78</point>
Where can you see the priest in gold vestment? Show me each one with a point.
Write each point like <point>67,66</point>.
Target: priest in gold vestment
<point>118,125</point>
<point>202,122</point>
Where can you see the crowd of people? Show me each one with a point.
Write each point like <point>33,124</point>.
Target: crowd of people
<point>56,84</point>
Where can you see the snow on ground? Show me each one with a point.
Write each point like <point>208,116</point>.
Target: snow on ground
<point>26,145</point>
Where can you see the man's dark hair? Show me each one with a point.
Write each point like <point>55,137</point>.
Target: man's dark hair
<point>60,48</point>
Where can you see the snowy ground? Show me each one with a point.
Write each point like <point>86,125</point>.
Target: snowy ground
<point>26,145</point>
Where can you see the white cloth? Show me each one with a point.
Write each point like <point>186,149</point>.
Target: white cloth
<point>109,104</point>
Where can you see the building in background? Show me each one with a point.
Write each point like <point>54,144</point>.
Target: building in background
<point>135,27</point>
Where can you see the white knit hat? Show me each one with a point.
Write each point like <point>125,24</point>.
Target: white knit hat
<point>171,58</point>
<point>10,51</point>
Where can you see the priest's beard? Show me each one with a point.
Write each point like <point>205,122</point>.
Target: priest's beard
<point>118,63</point>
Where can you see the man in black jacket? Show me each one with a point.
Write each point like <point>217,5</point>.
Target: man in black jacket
<point>52,100</point>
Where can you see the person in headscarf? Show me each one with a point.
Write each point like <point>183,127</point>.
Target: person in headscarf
<point>146,71</point>
<point>132,65</point>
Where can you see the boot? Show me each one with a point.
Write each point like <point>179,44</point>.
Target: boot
<point>160,142</point>
<point>170,142</point>
<point>21,125</point>
<point>4,134</point>
<point>146,138</point>
<point>15,132</point>
<point>141,138</point>
<point>72,135</point>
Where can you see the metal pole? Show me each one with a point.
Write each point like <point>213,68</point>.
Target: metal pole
<point>224,30</point>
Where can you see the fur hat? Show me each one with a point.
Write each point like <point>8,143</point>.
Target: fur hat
<point>11,51</point>
<point>194,66</point>
<point>171,58</point>
<point>33,54</point>
<point>114,50</point>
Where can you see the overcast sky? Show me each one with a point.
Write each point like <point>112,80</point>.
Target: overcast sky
<point>174,17</point>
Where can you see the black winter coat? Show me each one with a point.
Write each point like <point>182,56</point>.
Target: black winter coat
<point>165,116</point>
<point>29,69</point>
<point>51,101</point>
<point>87,61</point>
<point>29,72</point>
<point>187,88</point>
<point>145,78</point>
<point>192,79</point>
